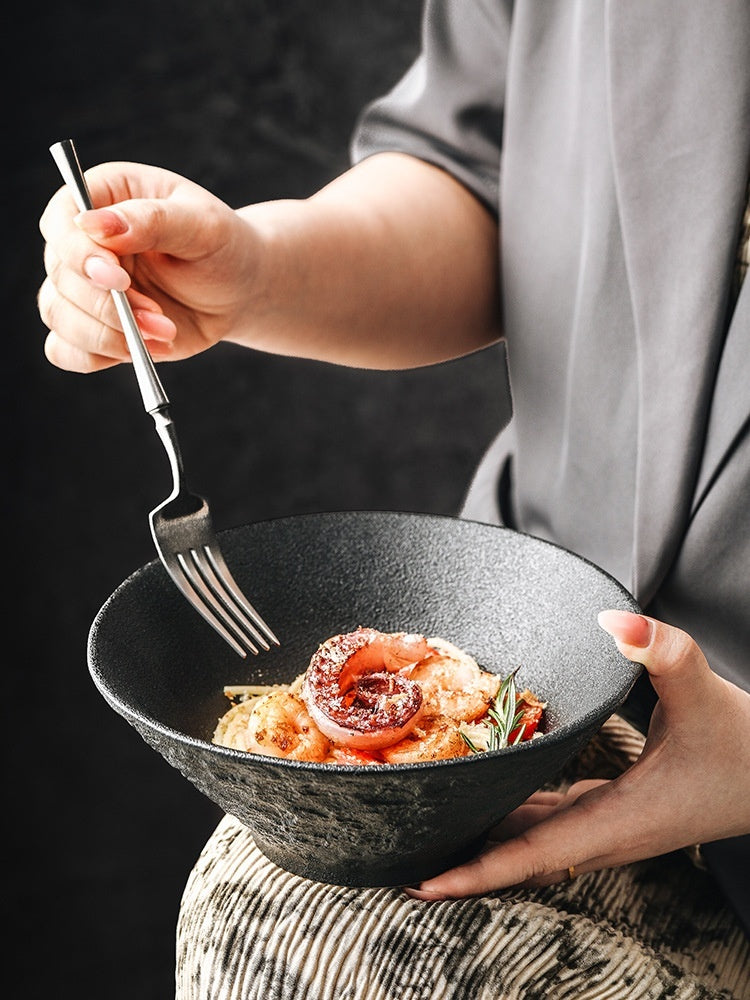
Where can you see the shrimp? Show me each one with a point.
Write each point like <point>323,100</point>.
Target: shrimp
<point>434,738</point>
<point>276,725</point>
<point>355,690</point>
<point>349,755</point>
<point>453,683</point>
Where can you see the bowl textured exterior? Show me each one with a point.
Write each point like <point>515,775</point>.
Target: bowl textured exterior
<point>508,599</point>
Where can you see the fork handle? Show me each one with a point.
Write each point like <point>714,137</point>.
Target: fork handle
<point>153,394</point>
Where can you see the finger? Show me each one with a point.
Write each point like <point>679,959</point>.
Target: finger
<point>64,242</point>
<point>544,798</point>
<point>71,358</point>
<point>153,324</point>
<point>83,342</point>
<point>93,298</point>
<point>520,820</point>
<point>182,225</point>
<point>679,671</point>
<point>538,808</point>
<point>93,330</point>
<point>597,830</point>
<point>105,273</point>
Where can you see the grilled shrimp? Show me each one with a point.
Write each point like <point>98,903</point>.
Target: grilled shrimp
<point>434,738</point>
<point>453,683</point>
<point>350,755</point>
<point>277,725</point>
<point>355,689</point>
<point>371,697</point>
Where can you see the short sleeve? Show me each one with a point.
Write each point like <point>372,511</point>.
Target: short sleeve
<point>448,107</point>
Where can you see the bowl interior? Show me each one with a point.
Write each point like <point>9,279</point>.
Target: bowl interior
<point>508,599</point>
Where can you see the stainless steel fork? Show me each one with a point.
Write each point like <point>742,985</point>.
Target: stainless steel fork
<point>181,525</point>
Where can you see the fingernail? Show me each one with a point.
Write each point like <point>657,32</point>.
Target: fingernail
<point>104,274</point>
<point>102,222</point>
<point>158,348</point>
<point>155,325</point>
<point>627,627</point>
<point>417,892</point>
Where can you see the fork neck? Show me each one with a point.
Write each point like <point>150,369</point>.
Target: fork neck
<point>166,430</point>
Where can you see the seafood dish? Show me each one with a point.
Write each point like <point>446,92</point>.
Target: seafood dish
<point>377,698</point>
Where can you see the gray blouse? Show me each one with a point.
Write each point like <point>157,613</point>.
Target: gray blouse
<point>613,141</point>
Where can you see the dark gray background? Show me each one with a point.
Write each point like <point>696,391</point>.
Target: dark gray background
<point>255,100</point>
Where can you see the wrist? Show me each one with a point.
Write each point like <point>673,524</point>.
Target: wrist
<point>270,275</point>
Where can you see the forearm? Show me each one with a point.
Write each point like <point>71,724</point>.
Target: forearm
<point>392,265</point>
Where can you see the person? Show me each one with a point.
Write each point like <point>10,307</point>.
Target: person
<point>570,179</point>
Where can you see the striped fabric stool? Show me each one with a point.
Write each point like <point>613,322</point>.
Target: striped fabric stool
<point>248,930</point>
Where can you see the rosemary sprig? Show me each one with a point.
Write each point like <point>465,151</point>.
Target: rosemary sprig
<point>504,717</point>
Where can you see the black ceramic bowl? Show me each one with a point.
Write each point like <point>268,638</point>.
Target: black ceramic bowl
<point>507,598</point>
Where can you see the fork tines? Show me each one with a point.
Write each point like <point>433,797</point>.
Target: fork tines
<point>205,579</point>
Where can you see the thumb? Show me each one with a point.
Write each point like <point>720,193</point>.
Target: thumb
<point>186,224</point>
<point>678,670</point>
